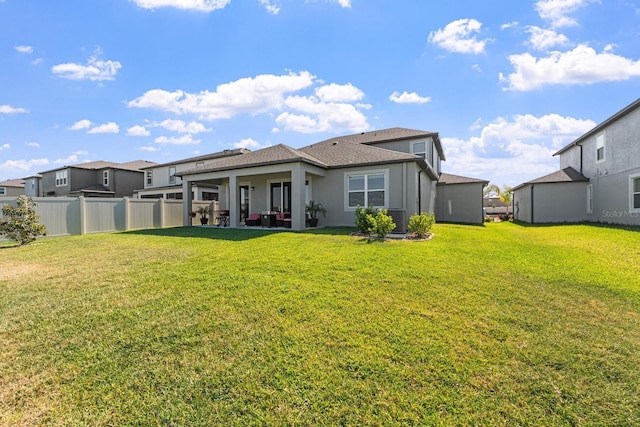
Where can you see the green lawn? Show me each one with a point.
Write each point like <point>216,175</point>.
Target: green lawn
<point>496,325</point>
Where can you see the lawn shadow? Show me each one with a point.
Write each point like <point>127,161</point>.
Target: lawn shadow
<point>590,224</point>
<point>232,234</point>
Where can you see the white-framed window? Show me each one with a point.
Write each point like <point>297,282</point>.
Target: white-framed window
<point>419,148</point>
<point>199,164</point>
<point>600,148</point>
<point>61,178</point>
<point>634,193</point>
<point>3,191</point>
<point>172,175</point>
<point>149,178</point>
<point>105,178</point>
<point>589,198</point>
<point>366,188</point>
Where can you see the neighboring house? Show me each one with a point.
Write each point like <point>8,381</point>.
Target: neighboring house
<point>32,186</point>
<point>394,168</point>
<point>494,207</point>
<point>94,179</point>
<point>599,180</point>
<point>459,199</point>
<point>12,187</point>
<point>161,181</point>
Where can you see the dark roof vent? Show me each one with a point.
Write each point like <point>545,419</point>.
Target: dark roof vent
<point>335,143</point>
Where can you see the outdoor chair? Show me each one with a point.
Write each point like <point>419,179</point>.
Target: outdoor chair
<point>223,218</point>
<point>253,220</point>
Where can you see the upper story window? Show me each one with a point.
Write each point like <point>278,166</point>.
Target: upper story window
<point>600,148</point>
<point>366,189</point>
<point>61,178</point>
<point>634,196</point>
<point>199,164</point>
<point>105,178</point>
<point>172,175</point>
<point>149,180</point>
<point>419,149</point>
<point>3,191</point>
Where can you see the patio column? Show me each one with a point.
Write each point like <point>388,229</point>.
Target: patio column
<point>233,201</point>
<point>298,217</point>
<point>187,202</point>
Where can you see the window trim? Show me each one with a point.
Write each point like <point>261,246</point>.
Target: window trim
<point>149,179</point>
<point>62,178</point>
<point>105,178</point>
<point>172,176</point>
<point>422,154</point>
<point>590,198</point>
<point>601,137</point>
<point>366,173</point>
<point>632,178</point>
<point>3,191</point>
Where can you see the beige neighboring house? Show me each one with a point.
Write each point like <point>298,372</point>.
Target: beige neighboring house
<point>12,187</point>
<point>94,179</point>
<point>459,199</point>
<point>396,169</point>
<point>162,182</point>
<point>598,180</point>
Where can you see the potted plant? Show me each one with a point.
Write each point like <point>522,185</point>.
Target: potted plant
<point>313,208</point>
<point>204,212</point>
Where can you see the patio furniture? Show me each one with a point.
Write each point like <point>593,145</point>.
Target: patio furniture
<point>280,217</point>
<point>253,220</point>
<point>268,219</point>
<point>223,218</point>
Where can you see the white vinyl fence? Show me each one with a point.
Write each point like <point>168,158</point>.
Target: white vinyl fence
<point>65,216</point>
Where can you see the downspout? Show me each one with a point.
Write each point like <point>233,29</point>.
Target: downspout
<point>580,158</point>
<point>419,193</point>
<point>532,185</point>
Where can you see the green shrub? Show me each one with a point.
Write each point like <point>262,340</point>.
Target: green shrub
<point>365,219</point>
<point>420,225</point>
<point>22,223</point>
<point>384,223</point>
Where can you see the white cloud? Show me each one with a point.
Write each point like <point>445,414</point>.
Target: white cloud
<point>321,116</point>
<point>556,11</point>
<point>5,147</point>
<point>95,69</point>
<point>148,148</point>
<point>408,98</point>
<point>512,151</point>
<point>138,130</point>
<point>197,5</point>
<point>513,24</point>
<point>270,7</point>
<point>250,144</point>
<point>183,140</point>
<point>339,93</point>
<point>32,144</point>
<point>183,127</point>
<point>72,159</point>
<point>247,95</point>
<point>21,166</point>
<point>581,65</point>
<point>81,124</point>
<point>459,36</point>
<point>110,127</point>
<point>8,109</point>
<point>542,39</point>
<point>24,49</point>
<point>343,3</point>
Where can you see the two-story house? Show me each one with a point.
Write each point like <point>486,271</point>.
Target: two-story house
<point>94,179</point>
<point>161,181</point>
<point>598,181</point>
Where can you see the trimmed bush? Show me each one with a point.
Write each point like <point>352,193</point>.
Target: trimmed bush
<point>384,223</point>
<point>420,225</point>
<point>22,223</point>
<point>365,219</point>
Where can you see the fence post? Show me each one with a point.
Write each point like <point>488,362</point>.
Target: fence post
<point>162,208</point>
<point>82,215</point>
<point>126,214</point>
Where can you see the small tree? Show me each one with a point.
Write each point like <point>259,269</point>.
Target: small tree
<point>365,219</point>
<point>21,224</point>
<point>384,223</point>
<point>420,225</point>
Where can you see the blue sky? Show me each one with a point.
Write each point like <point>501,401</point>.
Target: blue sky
<point>505,84</point>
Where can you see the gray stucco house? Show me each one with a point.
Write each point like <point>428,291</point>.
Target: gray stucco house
<point>599,180</point>
<point>459,199</point>
<point>94,179</point>
<point>12,187</point>
<point>396,169</point>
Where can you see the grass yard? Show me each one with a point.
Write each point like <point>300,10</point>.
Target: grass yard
<point>496,325</point>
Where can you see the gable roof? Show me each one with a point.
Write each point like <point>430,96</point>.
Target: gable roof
<point>617,116</point>
<point>567,174</point>
<point>135,165</point>
<point>448,178</point>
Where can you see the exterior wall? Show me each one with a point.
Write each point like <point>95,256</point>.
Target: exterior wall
<point>461,203</point>
<point>551,202</point>
<point>83,178</point>
<point>611,202</point>
<point>571,158</point>
<point>161,175</point>
<point>12,191</point>
<point>432,156</point>
<point>32,187</point>
<point>123,182</point>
